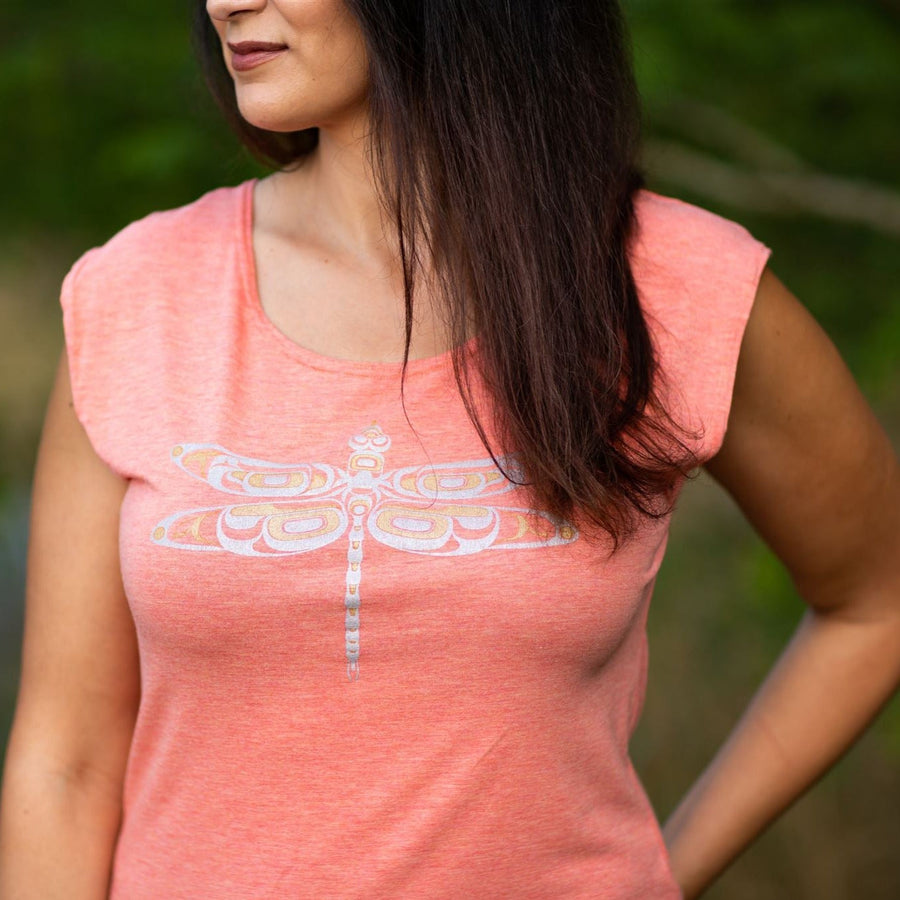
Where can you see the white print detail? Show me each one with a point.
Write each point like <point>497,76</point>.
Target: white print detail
<point>299,507</point>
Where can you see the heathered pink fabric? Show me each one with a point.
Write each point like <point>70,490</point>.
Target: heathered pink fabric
<point>281,516</point>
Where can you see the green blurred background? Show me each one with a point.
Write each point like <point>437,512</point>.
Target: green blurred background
<point>781,115</point>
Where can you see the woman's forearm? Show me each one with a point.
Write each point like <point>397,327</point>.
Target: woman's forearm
<point>833,677</point>
<point>56,835</point>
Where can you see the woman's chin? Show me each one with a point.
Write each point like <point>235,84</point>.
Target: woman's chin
<point>269,119</point>
<point>268,123</point>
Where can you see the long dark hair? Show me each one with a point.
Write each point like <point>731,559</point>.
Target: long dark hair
<point>508,134</point>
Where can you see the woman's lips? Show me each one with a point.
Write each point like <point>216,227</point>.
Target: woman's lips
<point>240,62</point>
<point>249,54</point>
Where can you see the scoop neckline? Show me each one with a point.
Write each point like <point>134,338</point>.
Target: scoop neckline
<point>305,355</point>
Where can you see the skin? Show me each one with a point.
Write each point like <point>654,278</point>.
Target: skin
<point>808,463</point>
<point>344,247</point>
<point>804,457</point>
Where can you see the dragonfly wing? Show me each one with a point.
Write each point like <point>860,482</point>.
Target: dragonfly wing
<point>457,480</point>
<point>237,474</point>
<point>255,529</point>
<point>458,529</point>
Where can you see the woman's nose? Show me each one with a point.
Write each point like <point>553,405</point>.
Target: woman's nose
<point>222,9</point>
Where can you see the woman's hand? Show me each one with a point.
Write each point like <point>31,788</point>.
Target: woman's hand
<point>814,472</point>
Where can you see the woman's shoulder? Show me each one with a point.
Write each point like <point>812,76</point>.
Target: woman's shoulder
<point>686,258</point>
<point>697,274</point>
<point>670,227</point>
<point>168,240</point>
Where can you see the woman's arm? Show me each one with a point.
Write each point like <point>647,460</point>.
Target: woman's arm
<point>812,469</point>
<point>80,685</point>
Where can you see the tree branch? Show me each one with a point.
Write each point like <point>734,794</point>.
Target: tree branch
<point>775,192</point>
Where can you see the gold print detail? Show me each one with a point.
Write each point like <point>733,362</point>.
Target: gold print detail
<point>389,521</point>
<point>524,527</point>
<point>307,523</point>
<point>191,528</point>
<point>275,480</point>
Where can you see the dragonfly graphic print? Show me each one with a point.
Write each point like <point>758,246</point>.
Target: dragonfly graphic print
<point>437,509</point>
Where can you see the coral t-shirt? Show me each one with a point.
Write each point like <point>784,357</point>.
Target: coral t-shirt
<point>368,668</point>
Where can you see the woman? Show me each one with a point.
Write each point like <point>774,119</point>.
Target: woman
<point>355,480</point>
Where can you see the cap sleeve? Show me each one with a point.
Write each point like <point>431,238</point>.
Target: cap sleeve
<point>131,308</point>
<point>697,274</point>
<point>90,349</point>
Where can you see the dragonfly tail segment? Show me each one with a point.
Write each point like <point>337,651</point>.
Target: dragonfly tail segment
<point>359,506</point>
